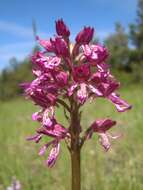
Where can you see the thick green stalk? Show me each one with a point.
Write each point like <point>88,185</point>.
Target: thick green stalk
<point>75,148</point>
<point>75,162</point>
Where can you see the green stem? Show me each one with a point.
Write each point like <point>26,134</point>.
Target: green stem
<point>75,147</point>
<point>75,162</point>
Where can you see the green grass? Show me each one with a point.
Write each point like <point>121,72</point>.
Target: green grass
<point>119,169</point>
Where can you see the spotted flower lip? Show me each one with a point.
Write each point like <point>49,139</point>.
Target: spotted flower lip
<point>82,94</point>
<point>101,127</point>
<point>53,155</point>
<point>54,152</point>
<point>69,74</point>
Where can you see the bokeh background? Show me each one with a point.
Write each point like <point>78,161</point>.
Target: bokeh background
<point>119,26</point>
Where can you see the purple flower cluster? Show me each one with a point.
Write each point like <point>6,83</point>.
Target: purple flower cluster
<point>66,70</point>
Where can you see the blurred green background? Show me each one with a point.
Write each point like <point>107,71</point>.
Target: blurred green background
<point>119,169</point>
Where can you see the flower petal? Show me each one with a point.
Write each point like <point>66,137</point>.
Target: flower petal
<point>37,116</point>
<point>102,125</point>
<point>120,104</point>
<point>71,89</point>
<point>44,148</point>
<point>35,138</point>
<point>45,44</point>
<point>82,94</point>
<point>95,90</point>
<point>104,141</point>
<point>48,117</point>
<point>56,130</point>
<point>53,155</point>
